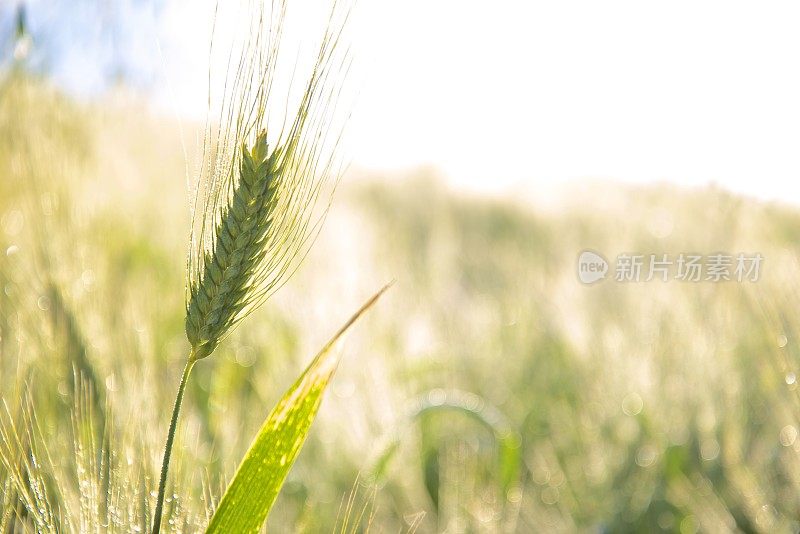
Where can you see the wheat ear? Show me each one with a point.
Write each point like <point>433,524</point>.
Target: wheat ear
<point>241,244</point>
<point>253,218</point>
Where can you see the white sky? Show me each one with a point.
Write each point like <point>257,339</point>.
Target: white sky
<point>503,94</point>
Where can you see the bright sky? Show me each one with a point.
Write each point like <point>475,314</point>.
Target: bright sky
<point>502,93</point>
<point>638,91</point>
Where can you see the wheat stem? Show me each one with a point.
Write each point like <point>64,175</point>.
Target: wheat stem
<point>162,485</point>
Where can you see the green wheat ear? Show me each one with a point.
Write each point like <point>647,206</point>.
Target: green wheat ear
<point>254,214</point>
<point>256,202</point>
<point>242,236</point>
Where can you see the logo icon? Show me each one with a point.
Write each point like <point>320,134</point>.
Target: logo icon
<point>592,267</point>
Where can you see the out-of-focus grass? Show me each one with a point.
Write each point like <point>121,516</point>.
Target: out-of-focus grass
<point>634,407</point>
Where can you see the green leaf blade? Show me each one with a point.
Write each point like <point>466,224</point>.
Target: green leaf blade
<point>252,492</point>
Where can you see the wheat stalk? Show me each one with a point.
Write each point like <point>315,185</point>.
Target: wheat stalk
<point>255,205</point>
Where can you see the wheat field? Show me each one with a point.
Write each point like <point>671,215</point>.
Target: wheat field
<point>488,391</point>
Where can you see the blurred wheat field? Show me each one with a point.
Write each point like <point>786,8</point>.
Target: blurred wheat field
<point>492,392</point>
